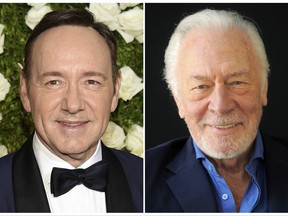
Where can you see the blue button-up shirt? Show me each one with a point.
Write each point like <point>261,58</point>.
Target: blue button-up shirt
<point>255,198</point>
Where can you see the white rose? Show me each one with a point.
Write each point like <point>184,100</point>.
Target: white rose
<point>1,38</point>
<point>3,150</point>
<point>123,6</point>
<point>131,24</point>
<point>37,6</point>
<point>106,13</point>
<point>130,84</point>
<point>4,87</point>
<point>35,14</point>
<point>134,140</point>
<point>114,136</point>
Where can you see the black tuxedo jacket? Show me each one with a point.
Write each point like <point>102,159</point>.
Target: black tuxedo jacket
<point>22,190</point>
<point>177,182</point>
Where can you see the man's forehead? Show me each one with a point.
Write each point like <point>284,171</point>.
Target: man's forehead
<point>201,47</point>
<point>64,34</point>
<point>207,36</point>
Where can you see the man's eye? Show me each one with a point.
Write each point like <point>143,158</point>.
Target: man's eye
<point>53,82</point>
<point>93,82</point>
<point>200,87</point>
<point>237,83</point>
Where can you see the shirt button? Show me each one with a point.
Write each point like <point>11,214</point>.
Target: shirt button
<point>225,196</point>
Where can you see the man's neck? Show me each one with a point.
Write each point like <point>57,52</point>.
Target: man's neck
<point>235,174</point>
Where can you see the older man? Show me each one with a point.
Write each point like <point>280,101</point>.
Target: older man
<point>217,69</point>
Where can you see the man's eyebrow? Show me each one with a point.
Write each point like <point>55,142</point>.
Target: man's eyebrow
<point>232,74</point>
<point>94,73</point>
<point>238,73</point>
<point>51,73</point>
<point>198,77</point>
<point>85,74</point>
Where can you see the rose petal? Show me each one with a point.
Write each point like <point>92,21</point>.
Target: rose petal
<point>131,84</point>
<point>114,136</point>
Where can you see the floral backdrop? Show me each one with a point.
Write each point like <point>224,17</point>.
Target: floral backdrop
<point>125,129</point>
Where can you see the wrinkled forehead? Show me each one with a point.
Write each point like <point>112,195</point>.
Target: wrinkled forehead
<point>211,47</point>
<point>207,40</point>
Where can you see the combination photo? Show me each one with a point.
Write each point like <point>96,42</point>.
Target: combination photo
<point>146,108</point>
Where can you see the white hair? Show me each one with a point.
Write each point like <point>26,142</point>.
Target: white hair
<point>219,19</point>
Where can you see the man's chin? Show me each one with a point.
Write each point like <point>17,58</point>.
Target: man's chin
<point>223,148</point>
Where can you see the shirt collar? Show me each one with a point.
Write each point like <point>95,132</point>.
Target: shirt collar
<point>47,160</point>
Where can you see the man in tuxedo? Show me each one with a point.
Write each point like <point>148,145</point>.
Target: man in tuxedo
<point>217,70</point>
<point>70,84</point>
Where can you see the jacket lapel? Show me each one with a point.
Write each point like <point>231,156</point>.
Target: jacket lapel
<point>118,195</point>
<point>190,183</point>
<point>276,173</point>
<point>29,192</point>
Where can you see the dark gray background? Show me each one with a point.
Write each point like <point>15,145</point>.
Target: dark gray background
<point>162,122</point>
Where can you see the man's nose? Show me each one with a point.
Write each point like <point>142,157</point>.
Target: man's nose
<point>221,101</point>
<point>73,101</point>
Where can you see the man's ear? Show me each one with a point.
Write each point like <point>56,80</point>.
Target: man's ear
<point>264,94</point>
<point>180,106</point>
<point>116,92</point>
<point>24,93</point>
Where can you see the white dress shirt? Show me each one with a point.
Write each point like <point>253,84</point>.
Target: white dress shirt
<point>80,199</point>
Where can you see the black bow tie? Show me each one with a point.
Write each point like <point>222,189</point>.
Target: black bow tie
<point>94,177</point>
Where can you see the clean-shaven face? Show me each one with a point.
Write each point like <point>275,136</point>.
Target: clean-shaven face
<point>220,91</point>
<point>71,90</point>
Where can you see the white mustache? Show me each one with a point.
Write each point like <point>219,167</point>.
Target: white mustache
<point>215,120</point>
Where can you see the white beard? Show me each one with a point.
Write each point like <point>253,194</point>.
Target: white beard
<point>226,146</point>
